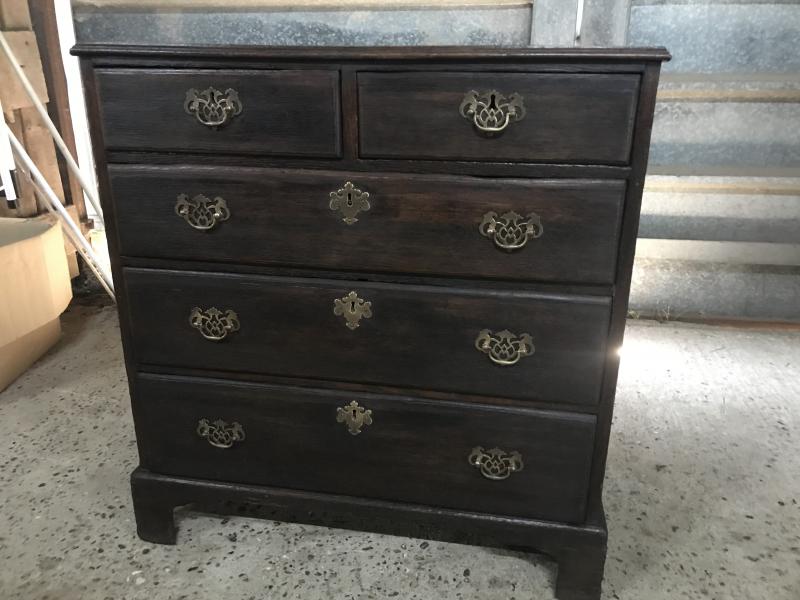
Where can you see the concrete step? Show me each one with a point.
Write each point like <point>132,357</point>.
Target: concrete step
<point>675,289</point>
<point>719,247</point>
<point>721,209</point>
<point>737,120</point>
<point>723,36</point>
<point>756,254</point>
<point>729,87</point>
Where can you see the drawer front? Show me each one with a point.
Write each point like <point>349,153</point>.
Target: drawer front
<point>290,113</point>
<point>512,462</point>
<point>517,117</point>
<point>453,226</point>
<point>510,344</point>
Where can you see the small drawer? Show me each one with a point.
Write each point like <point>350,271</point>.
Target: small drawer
<point>281,113</point>
<point>516,229</point>
<point>498,117</point>
<point>513,462</point>
<point>498,344</point>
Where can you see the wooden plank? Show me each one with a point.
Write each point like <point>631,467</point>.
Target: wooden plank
<point>43,16</point>
<point>14,14</point>
<point>39,144</point>
<point>12,94</point>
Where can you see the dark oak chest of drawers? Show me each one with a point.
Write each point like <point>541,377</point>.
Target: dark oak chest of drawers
<point>375,288</point>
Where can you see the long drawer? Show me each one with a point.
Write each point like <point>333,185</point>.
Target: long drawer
<point>262,112</point>
<point>513,462</point>
<point>453,226</point>
<point>486,116</point>
<point>507,344</point>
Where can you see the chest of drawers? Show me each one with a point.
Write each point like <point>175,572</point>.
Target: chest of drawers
<point>375,288</point>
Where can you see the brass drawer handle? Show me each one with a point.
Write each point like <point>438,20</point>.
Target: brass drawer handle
<point>201,212</point>
<point>211,107</point>
<point>349,201</point>
<point>213,324</point>
<point>504,348</point>
<point>219,433</point>
<point>510,231</point>
<point>495,464</point>
<point>354,417</point>
<point>353,309</point>
<point>491,111</point>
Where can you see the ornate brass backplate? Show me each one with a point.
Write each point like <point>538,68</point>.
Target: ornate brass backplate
<point>213,324</point>
<point>353,309</point>
<point>211,107</point>
<point>349,201</point>
<point>219,433</point>
<point>504,348</point>
<point>491,111</point>
<point>201,212</point>
<point>510,231</point>
<point>495,464</point>
<point>354,416</point>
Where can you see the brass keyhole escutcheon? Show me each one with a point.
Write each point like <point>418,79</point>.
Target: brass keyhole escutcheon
<point>349,201</point>
<point>353,309</point>
<point>354,417</point>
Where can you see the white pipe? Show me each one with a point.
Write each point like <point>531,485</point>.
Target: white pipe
<point>73,166</point>
<point>90,261</point>
<point>77,99</point>
<point>50,195</point>
<point>579,21</point>
<point>7,185</point>
<point>7,167</point>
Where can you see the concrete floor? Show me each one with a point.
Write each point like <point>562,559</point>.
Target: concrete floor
<point>702,495</point>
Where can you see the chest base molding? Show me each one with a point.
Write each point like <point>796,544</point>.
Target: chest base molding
<point>579,551</point>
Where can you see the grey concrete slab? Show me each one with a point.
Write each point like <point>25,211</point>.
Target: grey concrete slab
<point>701,492</point>
<point>501,25</point>
<point>745,210</point>
<point>709,133</point>
<point>554,22</point>
<point>734,228</point>
<point>605,23</point>
<point>712,36</point>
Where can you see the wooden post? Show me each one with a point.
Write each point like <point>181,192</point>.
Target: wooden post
<point>43,18</point>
